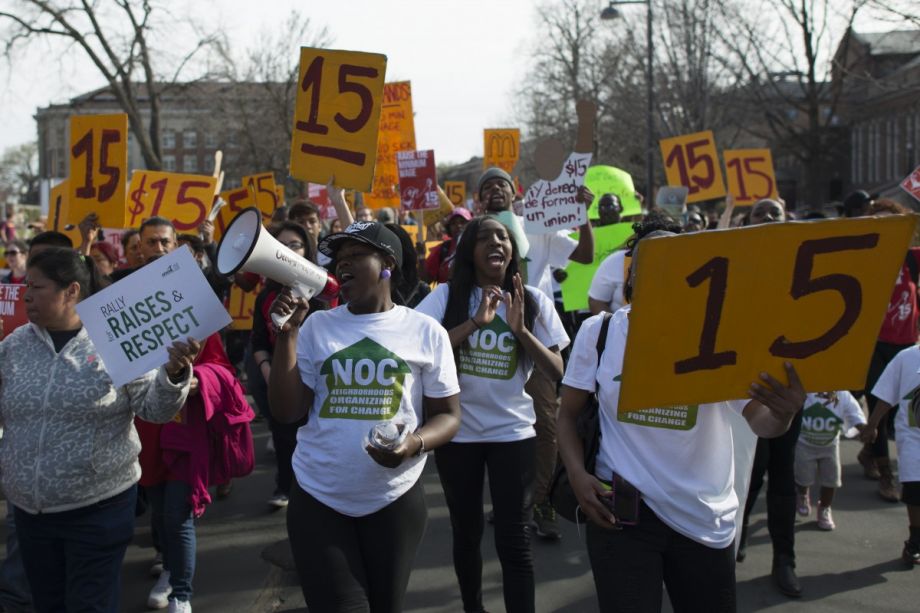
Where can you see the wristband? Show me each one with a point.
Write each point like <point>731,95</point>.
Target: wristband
<point>264,361</point>
<point>473,319</point>
<point>421,441</point>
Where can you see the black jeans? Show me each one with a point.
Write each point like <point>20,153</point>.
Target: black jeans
<point>355,564</point>
<point>462,468</point>
<point>630,565</point>
<point>776,458</point>
<point>881,356</point>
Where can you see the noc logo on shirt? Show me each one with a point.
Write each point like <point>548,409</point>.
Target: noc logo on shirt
<point>492,352</point>
<point>365,381</point>
<point>819,425</point>
<point>679,417</point>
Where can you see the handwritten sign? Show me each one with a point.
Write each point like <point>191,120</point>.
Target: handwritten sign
<point>750,175</point>
<point>98,168</point>
<point>241,306</point>
<point>611,180</point>
<point>133,321</point>
<point>502,148</point>
<point>550,206</point>
<point>418,180</point>
<point>911,184</point>
<point>236,200</point>
<point>456,192</point>
<point>336,115</point>
<point>607,239</point>
<point>397,133</point>
<point>264,193</point>
<point>12,307</point>
<point>184,200</point>
<point>58,213</point>
<point>691,160</point>
<point>749,299</point>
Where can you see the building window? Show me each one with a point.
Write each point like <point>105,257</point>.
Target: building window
<point>209,163</point>
<point>168,140</point>
<point>169,163</point>
<point>190,139</point>
<point>210,140</point>
<point>189,163</point>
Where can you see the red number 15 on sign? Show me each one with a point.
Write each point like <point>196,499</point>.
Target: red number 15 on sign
<point>336,117</point>
<point>98,167</point>
<point>691,160</point>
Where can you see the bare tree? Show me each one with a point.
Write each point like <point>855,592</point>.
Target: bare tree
<point>19,175</point>
<point>117,38</point>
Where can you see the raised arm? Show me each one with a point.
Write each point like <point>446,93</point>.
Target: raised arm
<point>289,398</point>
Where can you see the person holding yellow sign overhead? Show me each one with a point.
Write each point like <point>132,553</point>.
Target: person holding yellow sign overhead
<point>661,504</point>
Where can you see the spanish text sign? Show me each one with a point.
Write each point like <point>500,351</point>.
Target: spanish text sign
<point>98,168</point>
<point>712,310</point>
<point>691,160</point>
<point>336,117</point>
<point>133,321</point>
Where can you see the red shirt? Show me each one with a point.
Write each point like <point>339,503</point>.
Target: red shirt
<point>900,324</point>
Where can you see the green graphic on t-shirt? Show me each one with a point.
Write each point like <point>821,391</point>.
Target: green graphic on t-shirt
<point>913,407</point>
<point>492,352</point>
<point>819,425</point>
<point>680,417</point>
<point>365,381</point>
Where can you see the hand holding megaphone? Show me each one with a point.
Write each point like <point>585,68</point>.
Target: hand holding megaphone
<point>247,246</point>
<point>289,309</point>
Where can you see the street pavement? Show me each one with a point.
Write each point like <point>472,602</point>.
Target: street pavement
<point>855,568</point>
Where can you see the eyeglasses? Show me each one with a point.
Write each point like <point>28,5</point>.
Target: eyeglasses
<point>10,252</point>
<point>293,245</point>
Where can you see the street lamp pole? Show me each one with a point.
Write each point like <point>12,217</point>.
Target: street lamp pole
<point>612,13</point>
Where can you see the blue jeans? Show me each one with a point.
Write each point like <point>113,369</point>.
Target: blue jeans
<point>171,517</point>
<point>73,558</point>
<point>15,595</point>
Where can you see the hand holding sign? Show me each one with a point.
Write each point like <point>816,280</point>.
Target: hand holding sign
<point>181,358</point>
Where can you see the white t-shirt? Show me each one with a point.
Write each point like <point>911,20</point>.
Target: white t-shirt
<point>609,279</point>
<point>547,251</point>
<point>898,385</point>
<point>823,419</point>
<point>493,369</point>
<point>365,369</point>
<point>681,458</point>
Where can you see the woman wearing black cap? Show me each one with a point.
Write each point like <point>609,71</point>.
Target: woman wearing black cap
<point>357,511</point>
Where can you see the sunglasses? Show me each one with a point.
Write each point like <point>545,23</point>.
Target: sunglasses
<point>10,252</point>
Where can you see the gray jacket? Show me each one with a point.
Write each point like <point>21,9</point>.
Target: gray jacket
<point>69,439</point>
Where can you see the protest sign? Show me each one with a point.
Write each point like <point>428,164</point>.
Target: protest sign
<point>418,180</point>
<point>502,148</point>
<point>236,200</point>
<point>610,180</point>
<point>550,206</point>
<point>98,168</point>
<point>750,175</point>
<point>12,307</point>
<point>241,306</point>
<point>336,117</point>
<point>712,310</point>
<point>58,212</point>
<point>132,322</point>
<point>264,193</point>
<point>607,239</point>
<point>911,184</point>
<point>691,160</point>
<point>185,200</point>
<point>397,133</point>
<point>456,192</point>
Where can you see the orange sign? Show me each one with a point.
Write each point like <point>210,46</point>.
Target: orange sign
<point>336,117</point>
<point>750,175</point>
<point>184,200</point>
<point>456,192</point>
<point>691,160</point>
<point>501,148</point>
<point>59,209</point>
<point>749,299</point>
<point>98,168</point>
<point>241,306</point>
<point>264,192</point>
<point>397,133</point>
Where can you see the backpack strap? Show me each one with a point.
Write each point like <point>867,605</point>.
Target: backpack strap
<point>602,336</point>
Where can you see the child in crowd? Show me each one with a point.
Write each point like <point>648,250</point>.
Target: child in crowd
<point>817,451</point>
<point>898,389</point>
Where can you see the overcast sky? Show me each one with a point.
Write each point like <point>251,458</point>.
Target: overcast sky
<point>464,59</point>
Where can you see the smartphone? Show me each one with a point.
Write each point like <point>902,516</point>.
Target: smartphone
<point>624,504</point>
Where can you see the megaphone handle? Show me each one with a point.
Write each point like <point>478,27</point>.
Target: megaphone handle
<point>280,320</point>
<point>299,291</point>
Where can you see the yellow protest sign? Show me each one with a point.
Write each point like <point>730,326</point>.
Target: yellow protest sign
<point>98,168</point>
<point>712,310</point>
<point>456,192</point>
<point>397,133</point>
<point>236,200</point>
<point>241,306</point>
<point>750,175</point>
<point>58,209</point>
<point>691,160</point>
<point>336,116</point>
<point>502,148</point>
<point>264,192</point>
<point>184,200</point>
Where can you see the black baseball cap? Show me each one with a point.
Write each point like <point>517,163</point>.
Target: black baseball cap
<point>369,232</point>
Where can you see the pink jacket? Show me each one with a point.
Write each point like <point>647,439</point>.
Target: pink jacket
<point>213,443</point>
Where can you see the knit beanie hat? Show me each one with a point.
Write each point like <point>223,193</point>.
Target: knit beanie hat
<point>493,173</point>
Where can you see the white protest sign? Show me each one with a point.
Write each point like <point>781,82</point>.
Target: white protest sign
<point>550,206</point>
<point>133,321</point>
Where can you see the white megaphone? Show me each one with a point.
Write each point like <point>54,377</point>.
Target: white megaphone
<point>248,247</point>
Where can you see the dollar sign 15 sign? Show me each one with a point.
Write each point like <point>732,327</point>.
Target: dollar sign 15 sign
<point>691,160</point>
<point>258,190</point>
<point>713,310</point>
<point>98,168</point>
<point>184,200</point>
<point>336,117</point>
